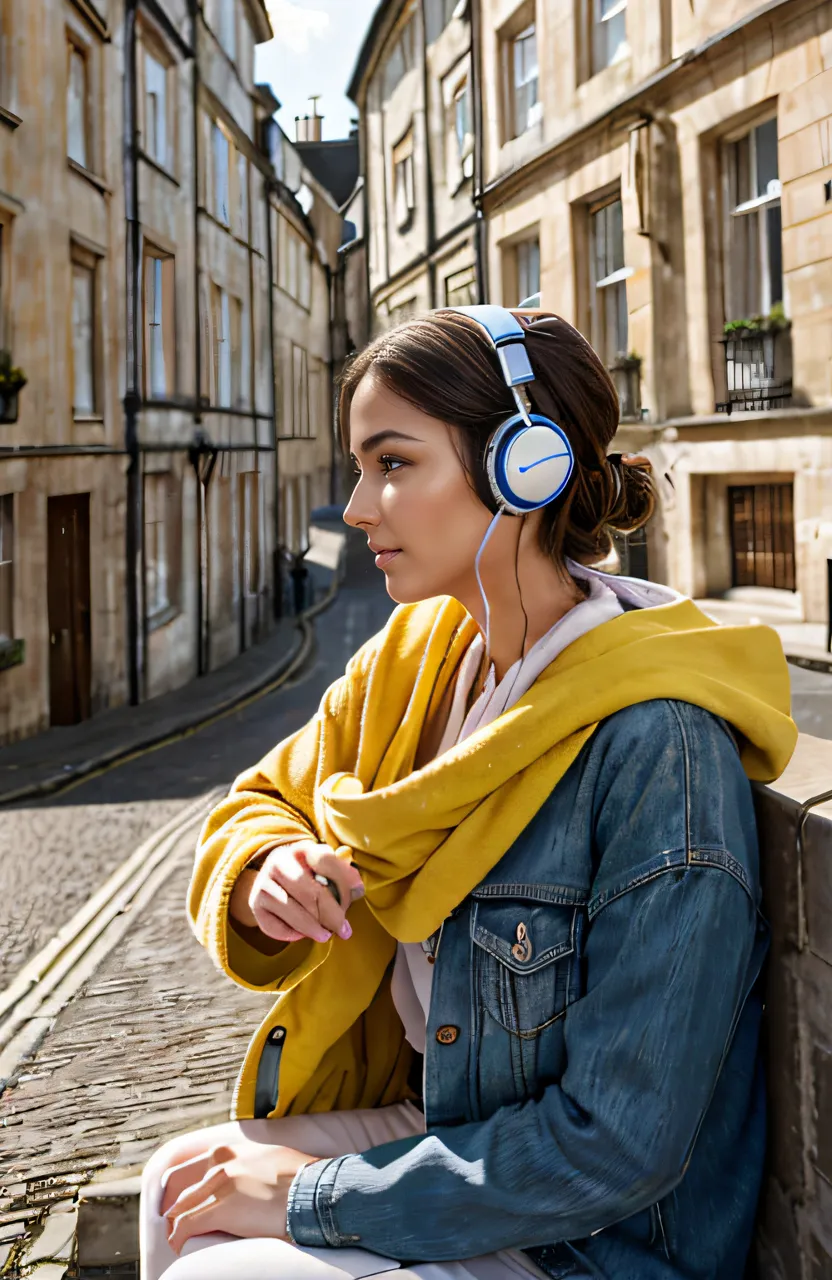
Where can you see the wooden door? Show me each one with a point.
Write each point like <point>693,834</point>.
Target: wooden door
<point>762,535</point>
<point>68,601</point>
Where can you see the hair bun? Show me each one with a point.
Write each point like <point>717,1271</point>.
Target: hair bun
<point>633,498</point>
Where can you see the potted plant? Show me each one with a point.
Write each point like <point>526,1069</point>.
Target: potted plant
<point>12,379</point>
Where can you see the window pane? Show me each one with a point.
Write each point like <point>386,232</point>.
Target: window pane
<point>242,196</point>
<point>224,388</point>
<point>7,566</point>
<point>774,235</point>
<point>157,374</point>
<point>83,363</point>
<point>528,269</point>
<point>76,107</point>
<point>228,27</point>
<point>156,109</point>
<point>766,140</point>
<point>615,231</point>
<point>220,175</point>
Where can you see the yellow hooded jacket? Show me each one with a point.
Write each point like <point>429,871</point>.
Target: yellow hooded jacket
<point>423,839</point>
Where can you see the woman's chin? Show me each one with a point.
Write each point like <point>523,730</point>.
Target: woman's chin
<point>404,592</point>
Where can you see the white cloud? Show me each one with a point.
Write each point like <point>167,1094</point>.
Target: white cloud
<point>296,27</point>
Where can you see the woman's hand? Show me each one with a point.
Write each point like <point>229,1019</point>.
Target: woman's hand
<point>285,901</point>
<point>241,1188</point>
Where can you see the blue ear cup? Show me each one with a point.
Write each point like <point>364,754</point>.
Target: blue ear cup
<point>529,464</point>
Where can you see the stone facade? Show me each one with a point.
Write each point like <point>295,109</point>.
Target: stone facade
<point>658,173</point>
<point>671,171</point>
<point>414,86</point>
<point>141,216</point>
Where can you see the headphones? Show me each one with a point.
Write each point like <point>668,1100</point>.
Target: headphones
<point>528,460</point>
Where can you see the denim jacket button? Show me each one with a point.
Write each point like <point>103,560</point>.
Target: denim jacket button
<point>447,1035</point>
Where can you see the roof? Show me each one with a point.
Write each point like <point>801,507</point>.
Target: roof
<point>384,9</point>
<point>261,21</point>
<point>334,164</point>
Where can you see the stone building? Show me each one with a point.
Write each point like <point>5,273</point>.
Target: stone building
<point>414,87</point>
<point>669,169</point>
<point>153,265</point>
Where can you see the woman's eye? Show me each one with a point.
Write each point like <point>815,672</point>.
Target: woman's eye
<point>389,464</point>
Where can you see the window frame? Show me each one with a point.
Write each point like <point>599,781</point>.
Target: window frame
<point>7,563</point>
<point>404,180</point>
<point>466,278</point>
<point>600,287</point>
<point>745,214</point>
<point>78,49</point>
<point>248,532</point>
<point>520,247</point>
<point>153,48</point>
<point>228,9</point>
<point>402,45</point>
<point>167,273</point>
<point>599,23</point>
<point>83,260</point>
<point>158,612</point>
<point>219,131</point>
<point>301,428</point>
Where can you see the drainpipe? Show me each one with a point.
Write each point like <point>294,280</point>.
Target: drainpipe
<point>132,394</point>
<point>480,227</point>
<point>428,162</point>
<point>196,453</point>
<point>277,576</point>
<point>203,459</point>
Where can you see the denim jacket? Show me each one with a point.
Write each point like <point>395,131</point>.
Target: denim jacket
<point>592,1084</point>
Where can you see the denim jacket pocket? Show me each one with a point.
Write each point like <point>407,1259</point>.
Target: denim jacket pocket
<point>527,960</point>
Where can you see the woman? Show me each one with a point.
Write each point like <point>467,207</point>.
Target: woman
<point>526,1041</point>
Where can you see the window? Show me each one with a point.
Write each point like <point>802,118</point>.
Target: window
<point>6,566</point>
<point>230,350</point>
<point>402,311</point>
<point>300,392</point>
<point>248,492</point>
<point>608,276</point>
<point>461,288</point>
<point>609,33</point>
<point>159,324</point>
<point>762,535</point>
<point>438,14</point>
<point>294,263</point>
<point>527,256</point>
<point>524,107</point>
<point>77,107</point>
<point>401,59</point>
<point>162,545</point>
<point>404,186</point>
<point>156,130</point>
<point>84,390</point>
<point>227,27</point>
<point>753,252</point>
<point>464,129</point>
<point>221,159</point>
<point>241,197</point>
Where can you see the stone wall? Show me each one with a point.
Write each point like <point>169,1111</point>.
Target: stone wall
<point>795,1224</point>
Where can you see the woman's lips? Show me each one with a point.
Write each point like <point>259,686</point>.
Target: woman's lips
<point>384,557</point>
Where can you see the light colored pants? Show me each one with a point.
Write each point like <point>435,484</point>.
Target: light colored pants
<point>221,1257</point>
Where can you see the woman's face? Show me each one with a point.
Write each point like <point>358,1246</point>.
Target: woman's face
<point>412,497</point>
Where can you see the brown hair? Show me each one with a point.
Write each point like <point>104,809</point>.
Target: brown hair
<point>443,364</point>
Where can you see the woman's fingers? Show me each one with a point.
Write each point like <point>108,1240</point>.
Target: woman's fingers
<point>271,902</point>
<point>179,1177</point>
<point>322,861</point>
<point>296,876</point>
<point>201,1208</point>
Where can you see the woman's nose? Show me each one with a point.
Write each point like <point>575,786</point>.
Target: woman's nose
<point>359,510</point>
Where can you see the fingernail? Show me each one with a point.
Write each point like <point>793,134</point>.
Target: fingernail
<point>323,936</point>
<point>345,931</point>
<point>356,893</point>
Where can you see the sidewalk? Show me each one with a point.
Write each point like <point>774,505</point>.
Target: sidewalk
<point>42,764</point>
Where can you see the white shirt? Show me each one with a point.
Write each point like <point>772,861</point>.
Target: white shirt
<point>412,972</point>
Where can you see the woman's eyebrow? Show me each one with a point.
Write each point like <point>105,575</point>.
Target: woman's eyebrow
<point>372,442</point>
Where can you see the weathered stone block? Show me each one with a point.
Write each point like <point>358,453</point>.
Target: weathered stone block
<point>779,868</point>
<point>822,1073</point>
<point>781,1032</point>
<point>817,850</point>
<point>108,1224</point>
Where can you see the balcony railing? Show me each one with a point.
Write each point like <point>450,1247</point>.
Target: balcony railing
<point>758,369</point>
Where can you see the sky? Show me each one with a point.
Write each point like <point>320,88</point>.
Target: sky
<point>314,51</point>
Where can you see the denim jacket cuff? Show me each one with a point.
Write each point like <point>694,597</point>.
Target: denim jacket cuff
<point>309,1216</point>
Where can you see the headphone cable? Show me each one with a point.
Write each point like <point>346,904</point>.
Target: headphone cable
<point>525,615</point>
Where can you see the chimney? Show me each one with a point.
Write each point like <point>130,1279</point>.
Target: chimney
<point>309,128</point>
